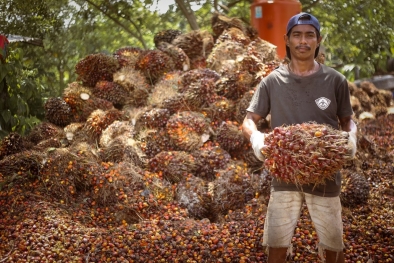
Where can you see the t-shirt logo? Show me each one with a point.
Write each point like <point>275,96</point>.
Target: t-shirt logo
<point>322,103</point>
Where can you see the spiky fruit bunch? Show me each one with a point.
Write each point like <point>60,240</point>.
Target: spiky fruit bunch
<point>222,109</point>
<point>235,84</point>
<point>58,112</point>
<point>388,96</point>
<point>307,153</point>
<point>27,163</point>
<point>112,92</point>
<point>60,173</point>
<point>233,187</point>
<point>188,130</point>
<point>229,136</point>
<point>174,166</point>
<point>210,158</point>
<point>153,118</point>
<point>96,67</point>
<point>192,193</point>
<point>181,60</point>
<point>234,34</point>
<point>178,103</point>
<point>166,88</point>
<point>263,50</point>
<point>114,130</point>
<point>50,144</point>
<point>154,141</point>
<point>45,130</point>
<point>364,99</point>
<point>127,56</point>
<point>196,43</point>
<point>130,79</point>
<point>379,111</point>
<point>242,105</point>
<point>13,143</point>
<point>154,64</point>
<point>224,55</point>
<point>369,88</point>
<point>355,190</point>
<point>379,100</point>
<point>74,130</point>
<point>99,120</point>
<point>220,23</point>
<point>166,36</point>
<point>196,75</point>
<point>82,101</point>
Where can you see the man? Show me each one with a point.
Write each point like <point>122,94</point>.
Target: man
<point>302,91</point>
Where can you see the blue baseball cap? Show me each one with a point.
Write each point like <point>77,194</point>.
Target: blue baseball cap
<point>302,19</point>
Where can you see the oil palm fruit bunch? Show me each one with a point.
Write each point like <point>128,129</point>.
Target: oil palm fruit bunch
<point>174,166</point>
<point>45,130</point>
<point>166,88</point>
<point>27,162</point>
<point>229,136</point>
<point>355,189</point>
<point>196,75</point>
<point>179,57</point>
<point>58,111</point>
<point>232,188</point>
<point>197,44</point>
<point>192,193</point>
<point>96,67</point>
<point>188,130</point>
<point>127,56</point>
<point>210,158</point>
<point>111,91</point>
<point>166,36</point>
<point>153,141</point>
<point>306,153</point>
<point>99,120</point>
<point>13,143</point>
<point>234,34</point>
<point>154,64</point>
<point>151,119</point>
<point>82,101</point>
<point>220,23</point>
<point>221,109</point>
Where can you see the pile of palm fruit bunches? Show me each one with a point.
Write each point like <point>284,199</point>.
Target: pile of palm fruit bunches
<point>142,159</point>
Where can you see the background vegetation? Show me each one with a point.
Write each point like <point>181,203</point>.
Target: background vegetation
<point>358,37</point>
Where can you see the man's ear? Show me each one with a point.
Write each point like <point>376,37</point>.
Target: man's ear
<point>286,39</point>
<point>319,40</point>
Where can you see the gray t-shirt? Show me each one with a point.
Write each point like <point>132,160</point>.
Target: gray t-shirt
<point>321,97</point>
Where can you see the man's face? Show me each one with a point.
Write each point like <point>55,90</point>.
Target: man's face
<point>302,42</point>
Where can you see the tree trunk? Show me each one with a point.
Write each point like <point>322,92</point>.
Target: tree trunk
<point>188,13</point>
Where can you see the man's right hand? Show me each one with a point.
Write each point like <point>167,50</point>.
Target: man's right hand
<point>257,141</point>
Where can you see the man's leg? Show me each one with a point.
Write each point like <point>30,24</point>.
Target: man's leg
<point>335,257</point>
<point>282,214</point>
<point>277,255</point>
<point>326,215</point>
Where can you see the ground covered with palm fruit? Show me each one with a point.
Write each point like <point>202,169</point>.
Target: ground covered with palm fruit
<point>142,160</point>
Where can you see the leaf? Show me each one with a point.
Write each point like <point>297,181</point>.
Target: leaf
<point>6,115</point>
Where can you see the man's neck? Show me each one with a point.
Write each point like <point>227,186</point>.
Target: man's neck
<point>303,68</point>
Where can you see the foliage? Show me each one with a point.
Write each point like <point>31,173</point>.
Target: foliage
<point>20,96</point>
<point>357,34</point>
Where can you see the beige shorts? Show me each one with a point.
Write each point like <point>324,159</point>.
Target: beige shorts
<point>284,209</point>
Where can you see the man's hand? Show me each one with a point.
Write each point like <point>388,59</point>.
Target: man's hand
<point>352,143</point>
<point>257,140</point>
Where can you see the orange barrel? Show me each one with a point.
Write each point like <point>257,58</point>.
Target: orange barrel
<point>270,17</point>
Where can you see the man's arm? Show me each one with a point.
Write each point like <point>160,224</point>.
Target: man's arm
<point>249,124</point>
<point>347,124</point>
